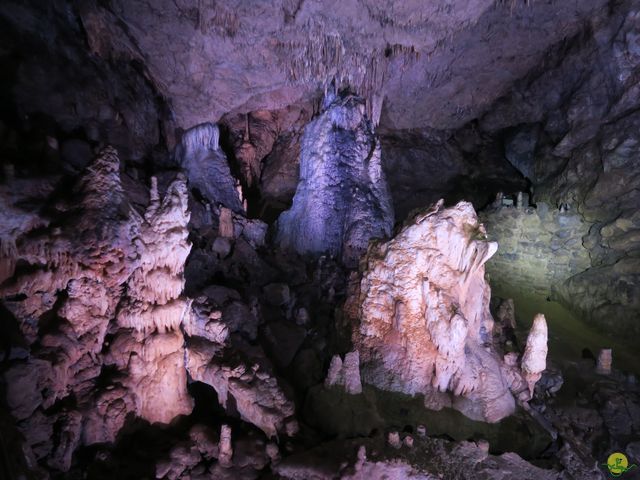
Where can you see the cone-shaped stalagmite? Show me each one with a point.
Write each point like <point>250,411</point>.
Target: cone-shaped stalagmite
<point>534,360</point>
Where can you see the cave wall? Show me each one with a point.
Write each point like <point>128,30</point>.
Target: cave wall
<point>538,248</point>
<point>570,126</point>
<point>54,86</point>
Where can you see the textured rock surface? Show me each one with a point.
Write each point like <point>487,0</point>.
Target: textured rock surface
<point>539,248</point>
<point>582,156</point>
<point>122,273</point>
<point>534,358</point>
<point>421,315</point>
<point>250,388</point>
<point>342,200</point>
<point>98,339</point>
<point>103,292</point>
<point>390,53</point>
<point>436,459</point>
<point>345,374</point>
<point>205,164</point>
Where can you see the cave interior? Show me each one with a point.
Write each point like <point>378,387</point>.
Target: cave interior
<point>309,239</point>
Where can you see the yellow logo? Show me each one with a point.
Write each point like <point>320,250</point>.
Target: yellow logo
<point>618,464</point>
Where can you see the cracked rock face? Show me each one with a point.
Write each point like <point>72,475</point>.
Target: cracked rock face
<point>342,200</point>
<point>421,320</point>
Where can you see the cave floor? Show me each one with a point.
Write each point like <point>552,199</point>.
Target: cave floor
<point>569,335</point>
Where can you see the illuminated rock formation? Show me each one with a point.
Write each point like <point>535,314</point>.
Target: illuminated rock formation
<point>342,199</point>
<point>226,449</point>
<point>345,374</point>
<point>421,315</point>
<point>206,166</point>
<point>105,267</point>
<point>534,359</point>
<point>603,362</point>
<point>245,383</point>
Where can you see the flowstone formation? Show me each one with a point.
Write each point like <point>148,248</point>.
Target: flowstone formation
<point>104,262</point>
<point>342,200</point>
<point>421,317</point>
<point>105,331</point>
<point>205,164</point>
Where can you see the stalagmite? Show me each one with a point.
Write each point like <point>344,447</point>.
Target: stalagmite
<point>420,315</point>
<point>534,359</point>
<point>361,458</point>
<point>603,366</point>
<point>225,223</point>
<point>345,374</point>
<point>342,200</point>
<point>351,368</point>
<point>334,375</point>
<point>226,449</point>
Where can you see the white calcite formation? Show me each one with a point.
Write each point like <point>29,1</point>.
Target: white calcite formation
<point>150,348</point>
<point>249,386</point>
<point>420,312</point>
<point>342,199</point>
<point>106,268</point>
<point>534,359</point>
<point>345,374</point>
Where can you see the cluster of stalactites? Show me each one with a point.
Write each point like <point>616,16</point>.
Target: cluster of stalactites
<point>206,135</point>
<point>154,289</point>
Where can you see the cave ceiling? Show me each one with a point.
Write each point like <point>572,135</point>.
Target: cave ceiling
<point>418,64</point>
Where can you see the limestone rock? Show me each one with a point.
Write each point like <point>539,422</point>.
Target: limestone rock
<point>206,166</point>
<point>420,314</point>
<point>345,374</point>
<point>225,223</point>
<point>342,200</point>
<point>67,430</point>
<point>105,268</point>
<point>534,359</point>
<point>603,365</point>
<point>251,388</point>
<point>205,321</point>
<point>226,450</point>
<point>335,375</point>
